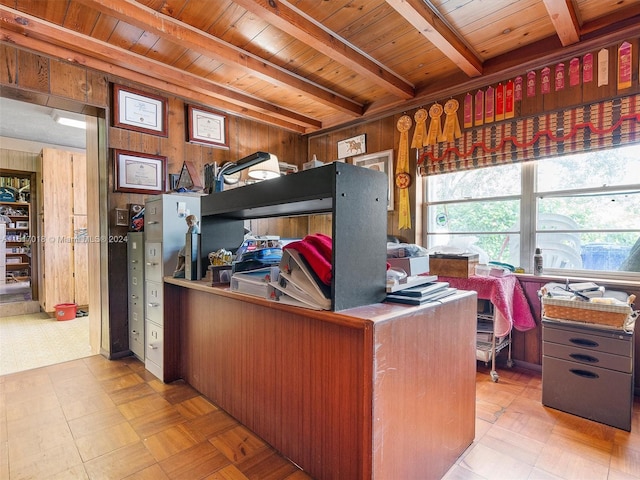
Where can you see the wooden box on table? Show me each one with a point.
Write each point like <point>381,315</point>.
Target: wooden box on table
<point>449,265</point>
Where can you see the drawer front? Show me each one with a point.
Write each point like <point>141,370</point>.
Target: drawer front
<point>598,394</point>
<point>136,335</point>
<point>618,344</point>
<point>136,270</point>
<point>136,292</point>
<point>153,305</point>
<point>153,261</point>
<point>154,344</point>
<point>136,310</point>
<point>584,356</point>
<point>153,221</point>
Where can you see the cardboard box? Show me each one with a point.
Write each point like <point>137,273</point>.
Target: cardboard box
<point>411,265</point>
<point>458,266</point>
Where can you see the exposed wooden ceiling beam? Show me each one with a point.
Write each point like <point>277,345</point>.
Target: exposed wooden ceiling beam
<point>90,47</point>
<point>426,19</point>
<point>617,18</point>
<point>54,51</point>
<point>287,18</point>
<point>548,51</point>
<point>564,19</point>
<point>185,35</point>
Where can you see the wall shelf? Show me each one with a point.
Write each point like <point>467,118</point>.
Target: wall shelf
<point>356,198</point>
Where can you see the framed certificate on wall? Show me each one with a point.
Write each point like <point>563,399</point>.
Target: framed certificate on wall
<point>207,127</point>
<point>139,172</point>
<point>139,111</point>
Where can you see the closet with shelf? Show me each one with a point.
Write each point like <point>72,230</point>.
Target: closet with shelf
<point>15,253</point>
<point>17,239</point>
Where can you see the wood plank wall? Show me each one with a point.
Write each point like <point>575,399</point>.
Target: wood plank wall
<point>380,135</point>
<point>48,81</point>
<point>35,78</point>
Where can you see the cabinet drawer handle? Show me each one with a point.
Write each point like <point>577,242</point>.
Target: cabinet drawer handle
<point>152,222</point>
<point>135,297</point>
<point>151,264</point>
<point>581,357</point>
<point>152,346</point>
<point>135,332</point>
<point>584,373</point>
<point>583,342</point>
<point>153,304</point>
<point>134,261</point>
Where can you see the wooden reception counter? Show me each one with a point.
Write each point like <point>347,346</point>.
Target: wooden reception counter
<point>383,391</point>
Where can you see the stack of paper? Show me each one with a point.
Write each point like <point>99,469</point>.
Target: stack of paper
<point>429,292</point>
<point>299,285</point>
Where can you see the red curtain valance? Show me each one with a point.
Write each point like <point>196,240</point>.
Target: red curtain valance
<point>589,127</point>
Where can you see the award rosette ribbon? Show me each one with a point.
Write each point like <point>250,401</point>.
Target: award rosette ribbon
<point>435,130</point>
<point>420,133</point>
<point>451,129</point>
<point>403,178</point>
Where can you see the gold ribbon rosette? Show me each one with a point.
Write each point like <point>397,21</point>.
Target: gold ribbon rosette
<point>420,133</point>
<point>451,129</point>
<point>403,178</point>
<point>435,130</point>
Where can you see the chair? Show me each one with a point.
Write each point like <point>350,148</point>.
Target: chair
<point>559,250</point>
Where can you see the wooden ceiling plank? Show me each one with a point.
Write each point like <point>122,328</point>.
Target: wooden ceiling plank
<point>187,36</point>
<point>423,16</point>
<point>530,57</point>
<point>47,48</point>
<point>564,19</point>
<point>285,17</point>
<point>28,25</point>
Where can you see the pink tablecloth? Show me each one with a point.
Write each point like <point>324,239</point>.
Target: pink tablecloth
<point>506,295</point>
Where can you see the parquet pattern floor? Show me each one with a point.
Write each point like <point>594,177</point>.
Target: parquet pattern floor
<point>92,418</point>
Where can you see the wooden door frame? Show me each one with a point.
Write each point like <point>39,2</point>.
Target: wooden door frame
<point>97,229</point>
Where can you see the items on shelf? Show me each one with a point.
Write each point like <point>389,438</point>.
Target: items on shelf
<point>304,270</point>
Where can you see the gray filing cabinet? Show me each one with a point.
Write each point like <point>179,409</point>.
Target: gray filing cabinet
<point>588,371</point>
<point>165,231</point>
<point>135,277</point>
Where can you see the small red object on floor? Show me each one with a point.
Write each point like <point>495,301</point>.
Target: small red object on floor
<point>66,311</point>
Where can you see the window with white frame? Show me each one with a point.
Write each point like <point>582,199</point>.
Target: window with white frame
<point>582,210</point>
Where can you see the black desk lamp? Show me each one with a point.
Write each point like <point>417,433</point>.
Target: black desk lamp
<point>248,162</point>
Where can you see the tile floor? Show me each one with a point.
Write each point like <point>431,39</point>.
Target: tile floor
<point>95,418</point>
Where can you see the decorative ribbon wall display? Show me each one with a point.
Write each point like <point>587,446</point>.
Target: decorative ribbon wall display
<point>603,67</point>
<point>587,68</point>
<point>468,111</point>
<point>574,72</point>
<point>517,88</point>
<point>451,129</point>
<point>585,128</point>
<point>435,130</point>
<point>624,66</point>
<point>403,178</point>
<point>420,133</point>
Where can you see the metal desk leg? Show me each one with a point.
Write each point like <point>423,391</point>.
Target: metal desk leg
<point>494,374</point>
